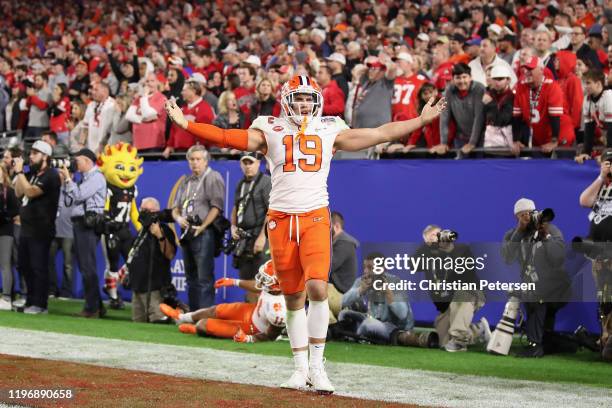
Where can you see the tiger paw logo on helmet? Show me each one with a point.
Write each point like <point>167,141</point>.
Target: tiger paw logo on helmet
<point>120,165</point>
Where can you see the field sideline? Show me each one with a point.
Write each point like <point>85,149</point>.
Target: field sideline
<point>375,366</point>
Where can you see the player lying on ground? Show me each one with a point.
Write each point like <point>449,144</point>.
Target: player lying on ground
<point>244,322</point>
<point>299,147</point>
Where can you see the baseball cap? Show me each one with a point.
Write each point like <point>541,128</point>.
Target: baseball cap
<point>251,156</point>
<point>532,63</point>
<point>524,204</point>
<point>495,28</point>
<point>253,60</point>
<point>198,78</point>
<point>175,60</point>
<point>43,147</point>
<point>422,37</point>
<point>474,41</point>
<point>442,39</point>
<point>404,56</point>
<point>87,153</point>
<point>230,49</point>
<point>500,71</point>
<point>375,63</point>
<point>595,31</point>
<point>336,56</point>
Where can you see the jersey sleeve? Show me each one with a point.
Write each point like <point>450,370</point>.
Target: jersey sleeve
<point>516,107</point>
<point>586,115</point>
<point>555,100</point>
<point>340,124</point>
<point>607,106</point>
<point>262,123</point>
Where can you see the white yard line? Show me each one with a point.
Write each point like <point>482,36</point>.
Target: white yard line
<point>354,380</point>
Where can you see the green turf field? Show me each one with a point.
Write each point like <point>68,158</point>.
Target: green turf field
<point>582,368</point>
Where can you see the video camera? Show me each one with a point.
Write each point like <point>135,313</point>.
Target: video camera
<point>189,233</point>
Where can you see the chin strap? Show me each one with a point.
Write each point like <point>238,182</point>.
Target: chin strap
<point>302,130</point>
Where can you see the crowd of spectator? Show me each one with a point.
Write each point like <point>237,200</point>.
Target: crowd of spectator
<point>100,72</point>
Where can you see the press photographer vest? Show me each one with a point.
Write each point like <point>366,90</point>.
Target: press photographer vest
<point>600,218</point>
<point>245,203</point>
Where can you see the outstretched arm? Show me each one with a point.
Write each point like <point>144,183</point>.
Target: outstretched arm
<point>358,139</point>
<point>251,140</point>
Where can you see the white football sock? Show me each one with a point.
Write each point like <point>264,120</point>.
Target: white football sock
<point>185,318</point>
<point>298,337</point>
<point>318,319</point>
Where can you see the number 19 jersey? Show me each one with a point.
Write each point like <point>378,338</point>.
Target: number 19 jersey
<point>299,165</point>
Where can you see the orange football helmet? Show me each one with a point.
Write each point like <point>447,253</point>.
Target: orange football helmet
<point>301,85</point>
<point>266,279</point>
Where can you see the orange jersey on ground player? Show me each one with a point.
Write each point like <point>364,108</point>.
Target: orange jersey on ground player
<point>405,91</point>
<point>251,318</point>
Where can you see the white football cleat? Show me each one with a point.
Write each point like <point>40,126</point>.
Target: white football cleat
<point>297,381</point>
<point>5,304</point>
<point>319,381</point>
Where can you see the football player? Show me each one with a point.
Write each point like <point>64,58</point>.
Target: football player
<point>244,322</point>
<point>299,147</point>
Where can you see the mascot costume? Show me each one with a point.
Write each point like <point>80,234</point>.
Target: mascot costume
<point>121,167</point>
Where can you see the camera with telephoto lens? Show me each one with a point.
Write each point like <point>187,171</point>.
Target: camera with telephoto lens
<point>61,162</point>
<point>447,236</point>
<point>189,233</point>
<point>537,218</point>
<point>147,218</point>
<point>239,246</point>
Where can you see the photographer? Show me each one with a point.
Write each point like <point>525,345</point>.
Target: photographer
<point>248,219</point>
<point>373,312</point>
<point>538,247</point>
<point>9,208</point>
<point>149,269</point>
<point>87,198</point>
<point>7,163</point>
<point>39,190</point>
<point>456,308</point>
<point>199,201</point>
<point>598,197</point>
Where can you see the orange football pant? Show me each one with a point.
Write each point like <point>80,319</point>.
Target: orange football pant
<point>229,318</point>
<point>301,247</point>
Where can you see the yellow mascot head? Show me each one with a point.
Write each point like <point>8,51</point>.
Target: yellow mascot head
<point>120,165</point>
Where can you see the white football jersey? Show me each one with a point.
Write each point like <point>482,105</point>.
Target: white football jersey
<point>270,310</point>
<point>600,111</point>
<point>299,167</point>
